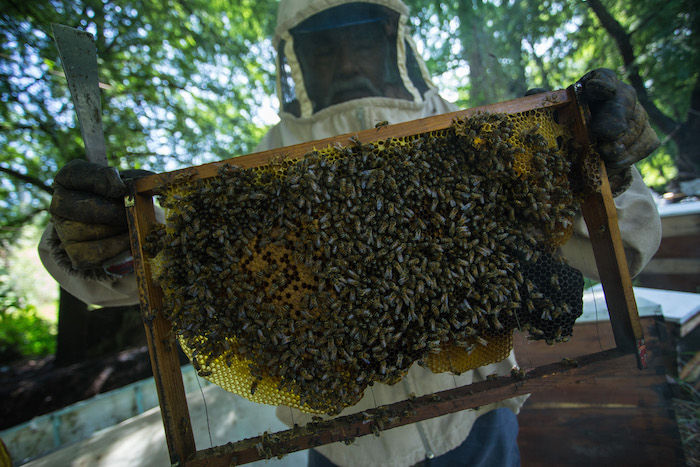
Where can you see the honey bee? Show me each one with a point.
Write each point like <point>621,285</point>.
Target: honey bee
<point>569,362</point>
<point>554,281</point>
<point>381,124</point>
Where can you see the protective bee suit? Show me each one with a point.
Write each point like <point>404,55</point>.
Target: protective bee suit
<point>315,106</point>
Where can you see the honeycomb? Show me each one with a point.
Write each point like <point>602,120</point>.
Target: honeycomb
<point>304,281</point>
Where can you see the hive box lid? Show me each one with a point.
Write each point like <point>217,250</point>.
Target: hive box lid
<point>682,308</point>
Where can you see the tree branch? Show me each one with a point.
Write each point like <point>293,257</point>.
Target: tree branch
<point>6,127</point>
<point>540,64</point>
<point>624,45</point>
<point>694,111</point>
<point>28,179</point>
<point>18,223</point>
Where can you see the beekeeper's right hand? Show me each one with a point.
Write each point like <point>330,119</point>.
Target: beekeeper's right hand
<point>88,212</point>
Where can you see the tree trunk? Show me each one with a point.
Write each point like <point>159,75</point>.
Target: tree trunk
<point>476,49</point>
<point>72,329</point>
<point>489,81</point>
<point>518,82</point>
<point>85,334</point>
<point>688,160</point>
<point>688,140</point>
<point>624,45</point>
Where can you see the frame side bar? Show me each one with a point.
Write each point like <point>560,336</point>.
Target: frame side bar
<point>600,214</point>
<point>162,345</point>
<point>601,218</point>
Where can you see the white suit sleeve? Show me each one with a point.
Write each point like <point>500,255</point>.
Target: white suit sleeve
<point>110,292</point>
<point>102,292</point>
<point>640,228</point>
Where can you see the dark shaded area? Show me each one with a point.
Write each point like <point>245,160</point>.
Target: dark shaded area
<point>37,387</point>
<point>99,350</point>
<point>84,334</point>
<point>620,416</point>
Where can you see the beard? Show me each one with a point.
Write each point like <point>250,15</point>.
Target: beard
<point>347,89</point>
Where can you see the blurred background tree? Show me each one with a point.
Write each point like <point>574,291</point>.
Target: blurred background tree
<point>188,82</point>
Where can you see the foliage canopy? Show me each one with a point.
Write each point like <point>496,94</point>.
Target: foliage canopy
<point>23,332</point>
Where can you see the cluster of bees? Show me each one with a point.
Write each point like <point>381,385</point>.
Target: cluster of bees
<point>322,275</point>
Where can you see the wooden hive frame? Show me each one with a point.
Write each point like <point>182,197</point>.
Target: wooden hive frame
<point>601,219</point>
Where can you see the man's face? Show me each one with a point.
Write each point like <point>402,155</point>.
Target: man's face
<point>347,63</point>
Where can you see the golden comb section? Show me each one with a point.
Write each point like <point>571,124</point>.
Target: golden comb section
<point>233,374</point>
<point>460,359</point>
<point>304,281</point>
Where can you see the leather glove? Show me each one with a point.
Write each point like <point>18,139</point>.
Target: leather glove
<point>620,125</point>
<point>88,212</point>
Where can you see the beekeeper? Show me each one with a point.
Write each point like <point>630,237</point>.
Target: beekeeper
<point>343,67</point>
